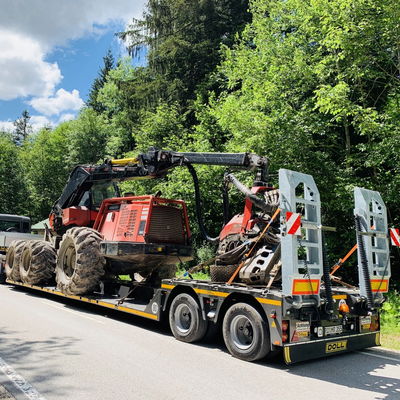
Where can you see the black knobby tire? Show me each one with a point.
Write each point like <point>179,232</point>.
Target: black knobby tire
<point>37,262</point>
<point>13,257</point>
<point>80,264</point>
<point>186,320</point>
<point>221,273</point>
<point>246,333</point>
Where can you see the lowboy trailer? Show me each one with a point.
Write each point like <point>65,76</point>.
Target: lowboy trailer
<point>297,310</point>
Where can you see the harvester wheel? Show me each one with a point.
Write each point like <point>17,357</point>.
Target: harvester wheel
<point>186,320</point>
<point>221,273</point>
<point>13,257</point>
<point>37,262</point>
<point>245,333</point>
<point>79,262</point>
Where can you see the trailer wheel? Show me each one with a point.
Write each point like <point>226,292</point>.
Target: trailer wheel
<point>221,273</point>
<point>245,332</point>
<point>13,257</point>
<point>79,262</point>
<point>185,319</point>
<point>37,262</point>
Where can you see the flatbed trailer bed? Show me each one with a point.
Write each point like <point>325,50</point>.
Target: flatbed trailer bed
<point>305,336</point>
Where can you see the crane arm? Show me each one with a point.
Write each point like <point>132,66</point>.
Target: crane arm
<point>152,164</point>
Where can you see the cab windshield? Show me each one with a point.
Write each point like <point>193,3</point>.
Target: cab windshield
<point>101,191</point>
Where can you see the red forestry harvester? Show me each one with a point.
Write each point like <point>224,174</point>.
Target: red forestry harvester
<point>99,234</point>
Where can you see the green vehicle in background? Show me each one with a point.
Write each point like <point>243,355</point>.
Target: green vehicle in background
<point>12,227</point>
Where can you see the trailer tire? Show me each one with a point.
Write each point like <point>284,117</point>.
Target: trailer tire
<point>245,333</point>
<point>186,320</point>
<point>37,262</point>
<point>221,273</point>
<point>13,257</point>
<point>80,264</point>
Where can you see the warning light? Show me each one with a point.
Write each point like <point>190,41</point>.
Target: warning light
<point>343,307</point>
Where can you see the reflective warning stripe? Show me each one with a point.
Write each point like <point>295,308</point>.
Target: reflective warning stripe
<point>305,286</point>
<point>269,301</point>
<point>339,296</point>
<point>293,223</point>
<point>395,237</point>
<point>378,339</point>
<point>286,353</point>
<point>211,292</point>
<point>165,286</point>
<point>379,285</point>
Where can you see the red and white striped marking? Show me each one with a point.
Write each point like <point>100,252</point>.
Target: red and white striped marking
<point>293,223</point>
<point>395,236</point>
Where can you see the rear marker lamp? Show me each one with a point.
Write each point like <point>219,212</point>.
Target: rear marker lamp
<point>285,329</point>
<point>374,326</point>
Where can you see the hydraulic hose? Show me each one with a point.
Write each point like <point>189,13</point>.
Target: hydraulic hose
<point>327,278</point>
<point>364,262</point>
<point>199,213</point>
<point>251,196</point>
<point>225,199</point>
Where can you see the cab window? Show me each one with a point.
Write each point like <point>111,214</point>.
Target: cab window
<point>102,191</point>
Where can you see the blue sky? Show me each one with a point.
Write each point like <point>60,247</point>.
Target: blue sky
<point>50,57</point>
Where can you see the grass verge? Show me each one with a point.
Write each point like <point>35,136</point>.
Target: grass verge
<point>390,321</point>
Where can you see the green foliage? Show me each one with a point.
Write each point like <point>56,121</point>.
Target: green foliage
<point>390,317</point>
<point>45,169</point>
<point>88,136</point>
<point>183,40</point>
<point>22,127</point>
<point>12,183</point>
<point>99,82</point>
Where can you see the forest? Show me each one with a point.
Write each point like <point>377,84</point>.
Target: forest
<point>313,85</point>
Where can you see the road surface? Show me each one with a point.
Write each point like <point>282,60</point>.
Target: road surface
<point>53,348</point>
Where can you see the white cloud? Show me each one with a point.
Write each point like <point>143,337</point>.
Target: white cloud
<point>60,102</point>
<point>6,126</point>
<point>55,22</point>
<point>66,117</point>
<point>23,71</point>
<point>38,122</point>
<point>31,29</point>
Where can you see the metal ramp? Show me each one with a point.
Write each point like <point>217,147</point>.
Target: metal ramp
<point>302,261</point>
<point>370,210</point>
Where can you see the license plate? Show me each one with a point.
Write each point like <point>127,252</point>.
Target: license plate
<point>332,347</point>
<point>333,330</point>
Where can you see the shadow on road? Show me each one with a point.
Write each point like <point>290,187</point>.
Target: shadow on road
<point>356,370</point>
<point>15,352</point>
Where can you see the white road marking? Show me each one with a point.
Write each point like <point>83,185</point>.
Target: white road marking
<point>379,356</point>
<point>73,312</point>
<point>19,382</point>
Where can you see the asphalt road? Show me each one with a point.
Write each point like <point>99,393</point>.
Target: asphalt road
<point>55,348</point>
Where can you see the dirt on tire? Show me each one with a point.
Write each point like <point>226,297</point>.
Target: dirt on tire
<point>80,264</point>
<point>37,262</point>
<point>221,273</point>
<point>13,257</point>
